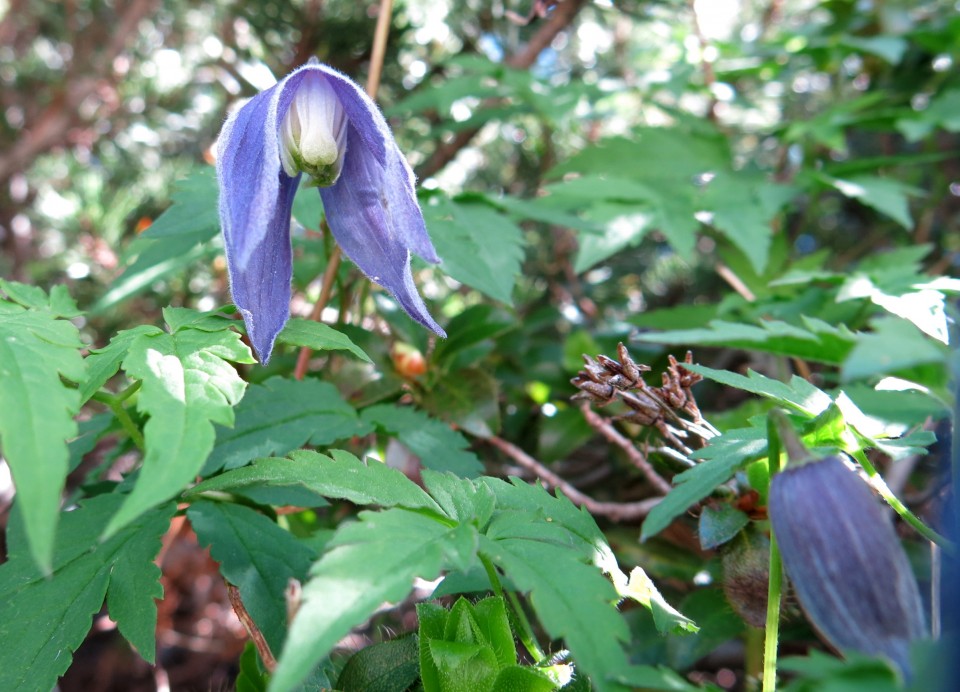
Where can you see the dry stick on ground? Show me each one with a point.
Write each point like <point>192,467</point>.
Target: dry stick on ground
<point>615,511</point>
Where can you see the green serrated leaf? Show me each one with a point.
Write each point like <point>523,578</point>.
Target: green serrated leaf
<point>391,666</point>
<point>256,556</point>
<point>744,205</point>
<point>479,246</point>
<point>188,385</point>
<point>621,225</point>
<point>343,476</point>
<point>682,155</point>
<point>718,524</point>
<point>179,237</point>
<point>182,318</point>
<point>36,414</point>
<point>668,619</point>
<point>438,447</point>
<point>58,303</point>
<point>280,415</point>
<point>553,509</point>
<point>894,345</point>
<point>347,586</point>
<point>818,342</point>
<point>887,196</point>
<point>572,600</point>
<point>103,363</point>
<point>59,607</point>
<point>798,394</point>
<point>319,337</point>
<point>724,457</point>
<point>460,499</point>
<point>135,586</point>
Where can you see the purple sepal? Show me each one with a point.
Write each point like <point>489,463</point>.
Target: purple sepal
<point>372,209</point>
<point>845,561</point>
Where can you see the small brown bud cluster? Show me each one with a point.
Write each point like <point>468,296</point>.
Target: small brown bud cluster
<point>604,380</point>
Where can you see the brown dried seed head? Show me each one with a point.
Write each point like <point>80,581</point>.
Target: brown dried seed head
<point>598,390</point>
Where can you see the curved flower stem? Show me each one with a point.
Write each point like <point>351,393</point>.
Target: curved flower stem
<point>115,403</point>
<point>876,480</point>
<point>380,35</point>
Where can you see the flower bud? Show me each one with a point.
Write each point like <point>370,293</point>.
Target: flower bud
<point>746,575</point>
<point>314,132</point>
<point>407,360</point>
<point>844,559</point>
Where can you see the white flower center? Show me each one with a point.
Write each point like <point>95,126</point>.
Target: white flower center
<point>313,134</point>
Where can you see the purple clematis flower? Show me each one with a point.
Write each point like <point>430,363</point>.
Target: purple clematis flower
<point>319,122</point>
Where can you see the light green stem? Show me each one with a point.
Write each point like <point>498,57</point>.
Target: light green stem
<point>518,619</point>
<point>881,486</point>
<point>772,629</point>
<point>772,636</point>
<point>115,403</point>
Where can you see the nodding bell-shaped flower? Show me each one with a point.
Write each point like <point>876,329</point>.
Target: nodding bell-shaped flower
<point>319,122</point>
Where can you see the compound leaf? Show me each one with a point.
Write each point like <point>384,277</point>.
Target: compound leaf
<point>36,412</point>
<point>188,385</point>
<point>255,555</point>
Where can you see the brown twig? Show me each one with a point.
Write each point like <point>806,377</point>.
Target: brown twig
<point>561,17</point>
<point>259,641</point>
<point>605,428</point>
<point>709,76</point>
<point>326,288</point>
<point>735,282</point>
<point>615,511</point>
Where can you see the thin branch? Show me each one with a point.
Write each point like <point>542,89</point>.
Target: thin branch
<point>560,18</point>
<point>615,511</point>
<point>333,264</point>
<point>605,428</point>
<point>259,641</point>
<point>709,76</point>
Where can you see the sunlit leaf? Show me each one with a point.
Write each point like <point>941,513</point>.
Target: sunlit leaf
<point>36,412</point>
<point>188,384</point>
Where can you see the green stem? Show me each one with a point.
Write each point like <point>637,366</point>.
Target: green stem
<point>772,635</point>
<point>115,404</point>
<point>877,481</point>
<point>129,391</point>
<point>753,657</point>
<point>775,421</point>
<point>518,618</point>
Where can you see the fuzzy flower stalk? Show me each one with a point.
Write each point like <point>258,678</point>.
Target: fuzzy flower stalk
<point>317,122</point>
